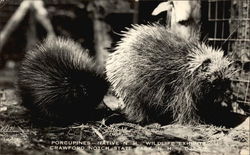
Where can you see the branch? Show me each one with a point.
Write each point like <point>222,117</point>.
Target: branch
<point>14,21</point>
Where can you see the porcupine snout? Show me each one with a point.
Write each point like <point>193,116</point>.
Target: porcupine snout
<point>219,80</point>
<point>221,83</point>
<point>216,76</point>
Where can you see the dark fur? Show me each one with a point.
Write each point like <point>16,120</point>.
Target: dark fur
<point>149,70</point>
<point>59,80</point>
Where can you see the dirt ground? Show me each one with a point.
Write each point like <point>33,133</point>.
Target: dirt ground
<point>20,134</point>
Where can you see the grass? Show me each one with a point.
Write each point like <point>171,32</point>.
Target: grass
<point>20,134</point>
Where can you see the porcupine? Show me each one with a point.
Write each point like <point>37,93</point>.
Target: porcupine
<point>162,77</point>
<point>58,80</point>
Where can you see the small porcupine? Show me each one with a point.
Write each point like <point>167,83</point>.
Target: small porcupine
<point>58,80</point>
<point>162,77</point>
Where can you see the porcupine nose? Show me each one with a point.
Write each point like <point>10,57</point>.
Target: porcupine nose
<point>220,82</point>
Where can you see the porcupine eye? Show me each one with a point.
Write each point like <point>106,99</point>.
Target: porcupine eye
<point>202,70</point>
<point>205,65</point>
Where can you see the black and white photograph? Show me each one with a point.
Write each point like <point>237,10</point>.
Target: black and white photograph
<point>124,77</point>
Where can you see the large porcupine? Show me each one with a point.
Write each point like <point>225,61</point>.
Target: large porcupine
<point>59,80</point>
<point>162,77</point>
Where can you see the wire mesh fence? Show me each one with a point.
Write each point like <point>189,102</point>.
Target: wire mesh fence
<point>230,30</point>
